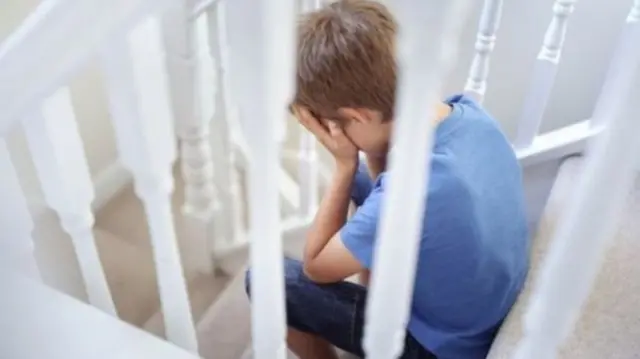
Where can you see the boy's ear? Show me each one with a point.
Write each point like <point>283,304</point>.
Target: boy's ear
<point>360,115</point>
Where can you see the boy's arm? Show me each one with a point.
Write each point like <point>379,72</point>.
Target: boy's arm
<point>375,166</point>
<point>326,259</point>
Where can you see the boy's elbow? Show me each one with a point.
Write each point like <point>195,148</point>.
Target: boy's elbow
<point>313,273</point>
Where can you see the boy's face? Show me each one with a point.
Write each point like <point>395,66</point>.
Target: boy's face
<point>366,129</point>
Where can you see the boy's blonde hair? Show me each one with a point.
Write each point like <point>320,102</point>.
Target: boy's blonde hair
<point>346,58</point>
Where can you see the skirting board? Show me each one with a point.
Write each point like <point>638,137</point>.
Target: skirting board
<point>109,182</point>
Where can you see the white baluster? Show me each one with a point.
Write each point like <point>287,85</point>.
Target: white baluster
<point>58,155</point>
<point>476,85</point>
<point>225,157</point>
<point>137,84</point>
<point>308,175</point>
<point>580,242</point>
<point>16,225</point>
<point>544,74</point>
<point>424,63</point>
<point>267,48</point>
<point>80,25</point>
<point>308,171</point>
<point>186,75</point>
<point>617,80</point>
<point>309,5</point>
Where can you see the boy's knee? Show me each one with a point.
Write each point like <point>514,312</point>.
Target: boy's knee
<point>293,276</point>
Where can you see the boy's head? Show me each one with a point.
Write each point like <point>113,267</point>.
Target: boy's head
<point>346,70</point>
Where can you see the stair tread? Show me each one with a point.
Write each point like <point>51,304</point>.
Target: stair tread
<point>131,275</point>
<point>129,270</point>
<point>203,291</point>
<point>607,326</point>
<point>224,332</point>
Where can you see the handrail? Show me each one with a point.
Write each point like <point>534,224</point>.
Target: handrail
<point>52,42</point>
<point>201,6</point>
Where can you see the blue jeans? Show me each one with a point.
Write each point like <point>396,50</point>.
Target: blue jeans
<point>334,312</point>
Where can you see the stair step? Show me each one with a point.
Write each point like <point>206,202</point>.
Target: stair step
<point>608,325</point>
<point>131,275</point>
<point>129,269</point>
<point>224,332</point>
<point>203,291</point>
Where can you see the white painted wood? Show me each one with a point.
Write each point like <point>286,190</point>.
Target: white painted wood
<point>202,6</point>
<point>308,154</point>
<point>268,53</point>
<point>225,157</point>
<point>288,186</point>
<point>45,323</point>
<point>575,255</point>
<point>617,80</point>
<point>558,144</point>
<point>476,85</point>
<point>544,74</point>
<point>137,84</point>
<point>51,32</point>
<point>16,224</point>
<point>61,166</point>
<point>308,175</point>
<point>187,73</point>
<point>309,5</point>
<point>108,183</point>
<point>425,57</point>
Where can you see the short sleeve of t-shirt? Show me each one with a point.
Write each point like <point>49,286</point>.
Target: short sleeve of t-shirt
<point>359,233</point>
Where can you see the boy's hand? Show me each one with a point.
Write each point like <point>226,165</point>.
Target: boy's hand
<point>332,138</point>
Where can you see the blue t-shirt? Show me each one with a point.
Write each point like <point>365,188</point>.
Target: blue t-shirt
<point>474,248</point>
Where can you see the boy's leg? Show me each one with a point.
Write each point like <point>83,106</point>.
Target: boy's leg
<point>320,316</point>
<point>309,346</point>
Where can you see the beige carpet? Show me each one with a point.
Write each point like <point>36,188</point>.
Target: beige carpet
<point>609,325</point>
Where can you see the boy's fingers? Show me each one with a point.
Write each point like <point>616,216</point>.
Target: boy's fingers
<point>311,123</point>
<point>334,129</point>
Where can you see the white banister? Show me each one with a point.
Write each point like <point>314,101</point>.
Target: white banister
<point>51,32</point>
<point>425,56</point>
<point>308,161</point>
<point>137,84</point>
<point>186,73</point>
<point>308,175</point>
<point>476,85</point>
<point>225,157</point>
<point>617,80</point>
<point>58,155</point>
<point>544,74</point>
<point>16,225</point>
<point>268,52</point>
<point>580,242</point>
<point>202,6</point>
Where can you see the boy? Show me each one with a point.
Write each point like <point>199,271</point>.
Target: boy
<point>473,254</point>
